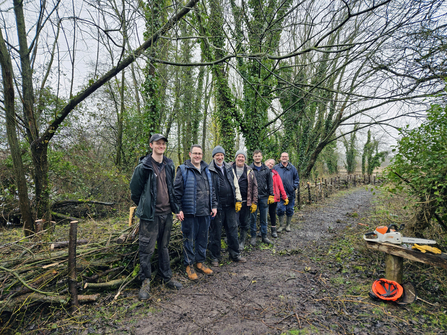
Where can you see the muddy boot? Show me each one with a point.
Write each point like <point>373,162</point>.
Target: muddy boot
<point>266,240</point>
<point>253,240</point>
<point>242,240</point>
<point>274,234</point>
<point>289,218</point>
<point>192,275</point>
<point>145,289</point>
<point>202,268</point>
<point>280,223</point>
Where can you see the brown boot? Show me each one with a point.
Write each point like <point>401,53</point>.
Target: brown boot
<point>192,275</point>
<point>201,267</point>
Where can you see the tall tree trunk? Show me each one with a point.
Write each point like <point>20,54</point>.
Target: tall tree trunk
<point>120,120</point>
<point>8,94</point>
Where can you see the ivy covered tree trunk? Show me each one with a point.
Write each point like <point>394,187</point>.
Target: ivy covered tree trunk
<point>11,129</point>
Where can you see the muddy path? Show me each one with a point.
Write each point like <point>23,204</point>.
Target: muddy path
<point>288,287</point>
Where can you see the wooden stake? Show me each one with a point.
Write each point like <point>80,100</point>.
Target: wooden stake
<point>72,265</point>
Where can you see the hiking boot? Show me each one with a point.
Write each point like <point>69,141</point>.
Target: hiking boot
<point>266,240</point>
<point>289,218</point>
<point>145,289</point>
<point>201,267</point>
<point>215,262</point>
<point>242,240</point>
<point>192,275</point>
<point>173,285</point>
<point>280,223</point>
<point>274,234</point>
<point>253,241</point>
<point>239,259</point>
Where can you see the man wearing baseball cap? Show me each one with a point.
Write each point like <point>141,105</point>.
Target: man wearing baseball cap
<point>152,190</point>
<point>229,201</point>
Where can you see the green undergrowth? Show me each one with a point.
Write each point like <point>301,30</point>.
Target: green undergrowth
<point>357,267</point>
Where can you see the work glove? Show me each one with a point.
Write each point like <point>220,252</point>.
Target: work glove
<point>271,200</point>
<point>238,206</point>
<point>425,248</point>
<point>253,208</point>
<point>286,202</point>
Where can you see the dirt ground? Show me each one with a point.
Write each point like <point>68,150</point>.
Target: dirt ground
<point>312,281</point>
<point>292,288</point>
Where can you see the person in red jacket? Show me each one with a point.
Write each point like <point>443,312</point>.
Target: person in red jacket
<point>279,192</point>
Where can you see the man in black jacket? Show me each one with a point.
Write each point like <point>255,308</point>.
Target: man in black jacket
<point>152,191</point>
<point>265,197</point>
<point>229,201</point>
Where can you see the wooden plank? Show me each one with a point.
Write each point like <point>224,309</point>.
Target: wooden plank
<point>412,255</point>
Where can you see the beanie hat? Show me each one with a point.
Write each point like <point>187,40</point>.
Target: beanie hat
<point>218,150</point>
<point>240,152</point>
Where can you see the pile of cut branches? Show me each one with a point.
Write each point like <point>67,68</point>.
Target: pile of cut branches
<point>35,270</point>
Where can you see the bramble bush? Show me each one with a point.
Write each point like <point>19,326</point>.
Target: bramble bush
<point>419,166</point>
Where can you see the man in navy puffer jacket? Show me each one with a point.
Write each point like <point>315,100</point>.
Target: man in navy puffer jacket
<point>193,187</point>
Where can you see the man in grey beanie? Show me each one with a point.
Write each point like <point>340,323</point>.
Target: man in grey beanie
<point>249,192</point>
<point>229,202</point>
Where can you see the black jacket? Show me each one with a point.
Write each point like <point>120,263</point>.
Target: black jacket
<point>143,187</point>
<point>236,194</point>
<point>265,181</point>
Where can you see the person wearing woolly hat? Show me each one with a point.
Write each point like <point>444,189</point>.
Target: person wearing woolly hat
<point>249,192</point>
<point>229,202</point>
<point>218,150</point>
<point>240,152</point>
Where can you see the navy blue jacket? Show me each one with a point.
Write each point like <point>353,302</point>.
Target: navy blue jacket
<point>186,191</point>
<point>289,176</point>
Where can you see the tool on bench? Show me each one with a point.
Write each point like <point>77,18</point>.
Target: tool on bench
<point>391,234</point>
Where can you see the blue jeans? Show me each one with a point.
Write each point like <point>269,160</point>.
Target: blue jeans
<point>287,209</point>
<point>195,238</point>
<point>263,209</point>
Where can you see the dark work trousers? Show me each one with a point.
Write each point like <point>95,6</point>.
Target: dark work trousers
<point>228,219</point>
<point>195,238</point>
<point>244,217</point>
<point>158,231</point>
<point>272,214</point>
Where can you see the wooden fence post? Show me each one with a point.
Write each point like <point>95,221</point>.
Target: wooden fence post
<point>72,265</point>
<point>308,192</point>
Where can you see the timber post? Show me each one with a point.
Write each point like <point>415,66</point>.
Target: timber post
<point>394,268</point>
<point>72,284</point>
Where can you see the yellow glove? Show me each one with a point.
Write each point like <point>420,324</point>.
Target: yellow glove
<point>253,208</point>
<point>238,206</point>
<point>286,202</point>
<point>424,248</point>
<point>271,200</point>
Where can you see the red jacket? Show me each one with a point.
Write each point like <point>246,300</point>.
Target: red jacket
<point>278,187</point>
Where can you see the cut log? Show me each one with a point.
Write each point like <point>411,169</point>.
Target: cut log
<point>12,304</point>
<point>107,285</point>
<point>412,255</point>
<point>64,244</point>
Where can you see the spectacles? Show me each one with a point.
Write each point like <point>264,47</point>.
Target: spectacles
<point>196,153</point>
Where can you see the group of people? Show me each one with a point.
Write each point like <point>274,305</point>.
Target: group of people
<point>205,198</point>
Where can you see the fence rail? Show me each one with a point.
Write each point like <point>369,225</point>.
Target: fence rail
<point>316,191</point>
